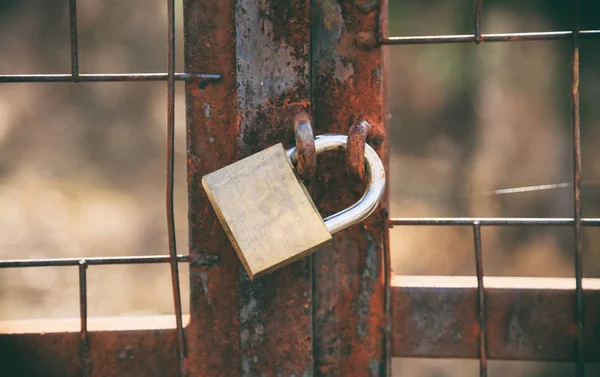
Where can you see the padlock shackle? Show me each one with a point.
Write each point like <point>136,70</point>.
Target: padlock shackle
<point>375,185</point>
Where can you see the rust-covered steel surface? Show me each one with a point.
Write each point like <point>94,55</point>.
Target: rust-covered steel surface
<point>433,316</point>
<point>112,353</point>
<point>239,327</point>
<point>212,132</point>
<point>273,70</point>
<point>348,73</point>
<point>527,318</point>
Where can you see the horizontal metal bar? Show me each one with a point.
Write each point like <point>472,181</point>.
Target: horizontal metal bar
<point>83,316</point>
<point>108,77</point>
<point>95,324</point>
<point>433,316</point>
<point>526,318</point>
<point>502,37</point>
<point>56,262</point>
<point>112,353</point>
<point>491,282</point>
<point>492,221</point>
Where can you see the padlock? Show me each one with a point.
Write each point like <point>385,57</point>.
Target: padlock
<point>269,215</point>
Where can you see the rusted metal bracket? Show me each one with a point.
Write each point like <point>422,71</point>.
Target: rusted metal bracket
<point>360,132</point>
<point>305,144</point>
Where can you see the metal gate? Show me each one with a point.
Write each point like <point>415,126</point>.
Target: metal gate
<point>250,66</point>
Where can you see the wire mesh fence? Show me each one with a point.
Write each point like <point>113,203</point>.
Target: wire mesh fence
<point>576,222</point>
<point>83,263</point>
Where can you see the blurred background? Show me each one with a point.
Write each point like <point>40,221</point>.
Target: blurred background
<point>82,167</point>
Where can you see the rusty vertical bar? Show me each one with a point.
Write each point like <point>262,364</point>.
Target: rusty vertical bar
<point>170,182</point>
<point>212,142</point>
<point>478,20</point>
<point>482,334</point>
<point>74,44</point>
<point>382,33</point>
<point>273,55</point>
<point>388,293</point>
<point>348,77</point>
<point>83,317</point>
<point>579,309</point>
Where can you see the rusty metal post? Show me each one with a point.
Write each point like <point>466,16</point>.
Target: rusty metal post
<point>212,133</point>
<point>239,327</point>
<point>272,48</point>
<point>348,71</point>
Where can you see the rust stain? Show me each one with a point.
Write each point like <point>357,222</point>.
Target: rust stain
<point>359,134</point>
<point>350,317</point>
<point>112,353</point>
<point>212,335</point>
<point>522,324</point>
<point>271,123</point>
<point>272,52</point>
<point>287,20</point>
<point>368,280</point>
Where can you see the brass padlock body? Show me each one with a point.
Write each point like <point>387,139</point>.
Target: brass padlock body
<point>266,211</point>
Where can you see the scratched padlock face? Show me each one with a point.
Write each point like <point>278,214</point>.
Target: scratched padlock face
<point>269,215</point>
<point>266,211</point>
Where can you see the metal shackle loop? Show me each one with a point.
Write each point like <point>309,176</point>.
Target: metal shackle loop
<point>375,182</point>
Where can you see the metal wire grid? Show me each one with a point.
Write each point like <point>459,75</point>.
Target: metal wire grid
<point>476,223</point>
<point>173,259</point>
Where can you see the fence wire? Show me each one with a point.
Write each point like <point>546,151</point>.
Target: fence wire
<point>577,222</point>
<point>83,263</point>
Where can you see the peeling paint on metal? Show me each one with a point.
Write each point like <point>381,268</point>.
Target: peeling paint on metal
<point>204,282</point>
<point>272,75</point>
<point>125,353</point>
<point>328,25</point>
<point>263,36</point>
<point>343,71</point>
<point>375,368</point>
<point>367,6</point>
<point>247,310</point>
<point>516,334</point>
<point>367,282</point>
<point>350,317</point>
<point>203,259</point>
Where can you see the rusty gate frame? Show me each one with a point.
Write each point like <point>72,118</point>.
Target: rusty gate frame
<point>330,314</point>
